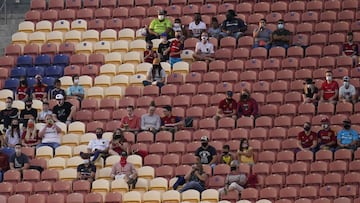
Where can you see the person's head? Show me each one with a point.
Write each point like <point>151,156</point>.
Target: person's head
<point>60,99</point>
<point>30,123</point>
<point>309,82</point>
<point>177,23</point>
<point>325,123</point>
<point>15,123</point>
<point>350,36</point>
<point>244,144</point>
<point>245,95</point>
<point>347,124</point>
<point>124,154</point>
<point>149,45</point>
<point>9,102</point>
<point>262,22</point>
<point>178,35</point>
<point>204,141</point>
<point>161,15</point>
<point>117,134</point>
<point>130,110</point>
<point>45,106</point>
<point>163,37</point>
<point>204,37</point>
<point>49,120</point>
<point>38,79</point>
<point>167,110</point>
<point>87,161</point>
<point>99,133</point>
<point>328,76</point>
<point>234,165</point>
<point>346,80</point>
<point>230,14</point>
<point>75,79</point>
<point>307,126</point>
<point>197,18</point>
<point>198,166</point>
<point>151,110</point>
<point>28,103</point>
<point>226,149</point>
<point>18,149</point>
<point>214,22</point>
<point>23,83</point>
<point>57,83</point>
<point>229,95</point>
<point>281,24</point>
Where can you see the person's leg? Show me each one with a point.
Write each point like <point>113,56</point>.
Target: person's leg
<point>192,185</point>
<point>1,176</point>
<point>235,186</point>
<point>146,83</point>
<point>160,84</point>
<point>96,155</point>
<point>150,37</point>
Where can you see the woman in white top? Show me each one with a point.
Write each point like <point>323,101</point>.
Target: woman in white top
<point>50,134</point>
<point>12,137</point>
<point>156,75</point>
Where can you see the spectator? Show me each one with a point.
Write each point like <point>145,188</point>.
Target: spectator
<point>56,90</point>
<point>214,30</point>
<point>247,106</point>
<point>234,180</point>
<point>39,89</point>
<point>156,75</point>
<point>30,136</point>
<point>329,89</point>
<point>50,134</point>
<point>8,113</point>
<point>310,92</point>
<point>150,121</point>
<point>281,36</point>
<point>262,35</point>
<point>164,48</point>
<point>159,26</point>
<point>178,27</point>
<point>4,165</point>
<point>45,111</point>
<point>23,91</point>
<point>130,122</point>
<point>170,122</point>
<point>119,143</point>
<point>307,139</point>
<point>99,146</point>
<point>204,50</point>
<point>195,178</point>
<point>227,107</point>
<point>206,154</point>
<point>350,48</point>
<point>226,157</point>
<point>347,92</point>
<point>86,170</point>
<point>176,46</point>
<point>12,137</point>
<point>28,112</point>
<point>234,27</point>
<point>246,153</point>
<point>19,161</point>
<point>63,111</point>
<point>124,170</point>
<point>197,26</point>
<point>347,138</point>
<point>149,53</point>
<point>326,136</point>
<point>75,91</point>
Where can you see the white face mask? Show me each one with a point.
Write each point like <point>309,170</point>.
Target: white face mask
<point>325,126</point>
<point>308,86</point>
<point>204,38</point>
<point>346,83</point>
<point>8,105</point>
<point>176,25</point>
<point>280,26</point>
<point>161,17</point>
<point>328,78</point>
<point>76,81</point>
<point>86,161</point>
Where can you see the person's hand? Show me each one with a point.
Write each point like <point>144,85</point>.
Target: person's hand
<point>252,117</point>
<point>154,83</point>
<point>68,122</point>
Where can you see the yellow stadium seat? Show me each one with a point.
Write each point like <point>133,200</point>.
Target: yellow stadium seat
<point>62,126</point>
<point>159,184</point>
<point>86,81</point>
<point>2,105</point>
<point>20,105</point>
<point>74,161</point>
<point>171,196</point>
<point>104,173</point>
<point>66,82</point>
<point>20,38</point>
<point>146,172</point>
<point>85,139</point>
<point>80,148</point>
<point>181,67</point>
<point>120,80</point>
<point>44,26</point>
<point>132,197</point>
<point>102,47</point>
<point>68,174</point>
<point>57,163</point>
<point>108,35</point>
<point>108,135</point>
<point>119,185</point>
<point>139,34</point>
<point>132,57</point>
<point>115,92</point>
<point>187,56</point>
<point>90,36</point>
<point>79,24</point>
<point>167,67</point>
<point>26,26</point>
<point>120,46</point>
<point>63,151</point>
<point>225,201</point>
<point>156,43</point>
<point>108,69</point>
<point>39,126</point>
<point>73,36</point>
<point>126,34</point>
<point>37,38</point>
<point>62,26</point>
<point>192,196</point>
<point>114,58</point>
<point>101,185</point>
<point>137,80</point>
<point>138,45</point>
<point>95,92</point>
<point>111,160</point>
<point>126,69</point>
<point>56,37</point>
<point>71,140</point>
<point>243,201</point>
<point>37,104</point>
<point>84,47</point>
<point>263,201</point>
<point>152,197</point>
<point>45,152</point>
<point>135,159</point>
<point>143,68</point>
<point>5,93</point>
<point>99,163</point>
<point>77,127</point>
<point>102,81</point>
<point>210,195</point>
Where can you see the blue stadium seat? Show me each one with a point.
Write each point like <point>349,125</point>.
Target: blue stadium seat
<point>37,70</point>
<point>31,81</point>
<point>24,61</point>
<point>61,60</point>
<point>49,81</point>
<point>12,84</point>
<point>55,71</point>
<point>43,60</point>
<point>18,72</point>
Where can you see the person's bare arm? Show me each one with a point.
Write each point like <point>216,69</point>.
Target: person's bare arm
<point>202,177</point>
<point>57,128</point>
<point>26,166</point>
<point>213,160</point>
<point>72,113</point>
<point>151,31</point>
<point>42,132</point>
<point>11,164</point>
<point>188,174</point>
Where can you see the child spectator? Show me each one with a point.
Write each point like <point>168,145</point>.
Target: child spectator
<point>23,91</point>
<point>149,53</point>
<point>164,48</point>
<point>226,157</point>
<point>214,30</point>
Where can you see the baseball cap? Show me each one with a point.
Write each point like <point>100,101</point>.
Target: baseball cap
<point>347,121</point>
<point>204,139</point>
<point>346,78</point>
<point>163,34</point>
<point>59,96</point>
<point>162,12</point>
<point>229,93</point>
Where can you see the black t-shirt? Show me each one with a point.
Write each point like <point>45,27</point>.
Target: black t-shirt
<point>85,171</point>
<point>234,25</point>
<point>62,112</point>
<point>205,155</point>
<point>24,112</point>
<point>311,93</point>
<point>7,115</point>
<point>19,161</point>
<point>162,47</point>
<point>280,32</point>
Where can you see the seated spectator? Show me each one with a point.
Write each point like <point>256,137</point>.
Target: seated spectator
<point>245,153</point>
<point>307,139</point>
<point>4,165</point>
<point>39,89</point>
<point>197,26</point>
<point>281,37</point>
<point>178,27</point>
<point>12,137</point>
<point>9,113</point>
<point>50,134</point>
<point>75,91</point>
<point>130,122</point>
<point>28,112</point>
<point>149,53</point>
<point>30,136</point>
<point>23,91</point>
<point>195,179</point>
<point>156,75</point>
<point>159,26</point>
<point>233,27</point>
<point>350,48</point>
<point>234,180</point>
<point>45,111</point>
<point>310,92</point>
<point>164,48</point>
<point>170,122</point>
<point>226,157</point>
<point>227,107</point>
<point>176,47</point>
<point>86,170</point>
<point>56,90</point>
<point>206,154</point>
<point>63,111</point>
<point>124,170</point>
<point>347,92</point>
<point>247,106</point>
<point>119,143</point>
<point>150,121</point>
<point>204,50</point>
<point>347,138</point>
<point>18,160</point>
<point>214,30</point>
<point>98,147</point>
<point>329,89</point>
<point>326,136</point>
<point>262,35</point>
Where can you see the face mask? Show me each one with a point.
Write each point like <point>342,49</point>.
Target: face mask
<point>229,17</point>
<point>149,47</point>
<point>307,128</point>
<point>204,38</point>
<point>347,126</point>
<point>28,105</point>
<point>123,161</point>
<point>205,144</point>
<point>226,153</point>
<point>15,125</point>
<point>233,168</point>
<point>86,161</point>
<point>17,151</point>
<point>346,83</point>
<point>8,105</point>
<point>76,81</point>
<point>163,39</point>
<point>328,78</point>
<point>178,36</point>
<point>325,126</point>
<point>308,86</point>
<point>280,26</point>
<point>99,135</point>
<point>161,17</point>
<point>117,136</point>
<point>177,25</point>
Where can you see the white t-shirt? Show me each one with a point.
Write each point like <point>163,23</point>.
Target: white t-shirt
<point>197,29</point>
<point>99,144</point>
<point>207,48</point>
<point>15,139</point>
<point>347,93</point>
<point>51,135</point>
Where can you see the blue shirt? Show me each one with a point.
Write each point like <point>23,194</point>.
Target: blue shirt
<point>346,137</point>
<point>75,90</point>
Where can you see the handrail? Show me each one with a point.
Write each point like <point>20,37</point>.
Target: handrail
<point>3,7</point>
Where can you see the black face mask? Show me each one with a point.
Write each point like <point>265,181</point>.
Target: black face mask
<point>204,144</point>
<point>39,82</point>
<point>178,36</point>
<point>117,136</point>
<point>99,135</point>
<point>307,128</point>
<point>28,105</point>
<point>229,17</point>
<point>150,47</point>
<point>233,168</point>
<point>244,96</point>
<point>156,66</point>
<point>15,125</point>
<point>347,126</point>
<point>225,153</point>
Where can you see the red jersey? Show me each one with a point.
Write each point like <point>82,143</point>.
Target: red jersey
<point>247,108</point>
<point>350,49</point>
<point>169,120</point>
<point>32,139</point>
<point>175,46</point>
<point>22,92</point>
<point>326,136</point>
<point>228,107</point>
<point>329,89</point>
<point>116,146</point>
<point>133,123</point>
<point>150,58</point>
<point>39,91</point>
<point>307,140</point>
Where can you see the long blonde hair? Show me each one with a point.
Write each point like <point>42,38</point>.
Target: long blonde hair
<point>30,132</point>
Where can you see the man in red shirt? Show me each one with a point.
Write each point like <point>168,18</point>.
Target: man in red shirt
<point>39,89</point>
<point>176,47</point>
<point>351,49</point>
<point>247,106</point>
<point>227,107</point>
<point>170,122</point>
<point>130,122</point>
<point>149,53</point>
<point>329,89</point>
<point>307,138</point>
<point>326,137</point>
